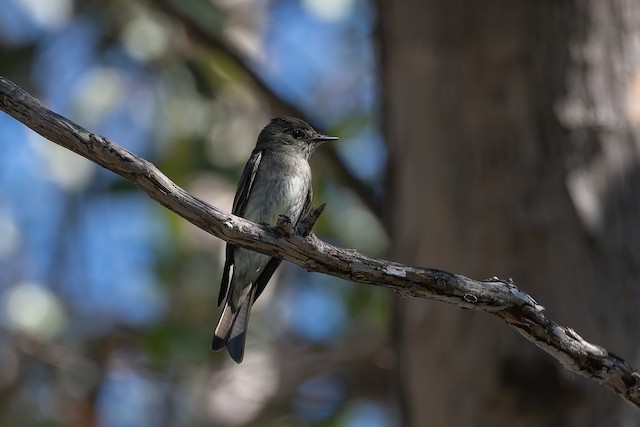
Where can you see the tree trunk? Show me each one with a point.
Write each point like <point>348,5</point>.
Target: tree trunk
<point>514,152</point>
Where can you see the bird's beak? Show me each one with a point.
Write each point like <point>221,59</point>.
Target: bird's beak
<point>324,138</point>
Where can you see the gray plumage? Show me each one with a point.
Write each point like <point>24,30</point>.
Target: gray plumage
<point>276,181</point>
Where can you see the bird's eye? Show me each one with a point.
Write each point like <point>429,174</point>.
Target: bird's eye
<point>297,133</point>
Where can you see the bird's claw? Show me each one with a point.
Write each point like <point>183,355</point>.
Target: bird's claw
<point>284,226</point>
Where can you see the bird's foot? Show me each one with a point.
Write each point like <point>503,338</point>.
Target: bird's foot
<point>284,226</point>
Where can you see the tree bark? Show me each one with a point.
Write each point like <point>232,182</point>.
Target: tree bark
<point>514,151</point>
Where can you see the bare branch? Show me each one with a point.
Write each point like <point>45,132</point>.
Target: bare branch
<point>495,296</point>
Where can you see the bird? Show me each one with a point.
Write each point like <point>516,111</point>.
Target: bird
<point>276,181</point>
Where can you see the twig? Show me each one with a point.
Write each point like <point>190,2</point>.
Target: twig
<point>498,297</point>
<point>307,223</point>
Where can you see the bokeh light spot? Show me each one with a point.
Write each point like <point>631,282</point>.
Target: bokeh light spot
<point>97,94</point>
<point>238,394</point>
<point>144,38</point>
<point>329,10</point>
<point>50,13</point>
<point>65,168</point>
<point>33,308</point>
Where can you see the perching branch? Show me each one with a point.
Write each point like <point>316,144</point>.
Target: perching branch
<point>498,297</point>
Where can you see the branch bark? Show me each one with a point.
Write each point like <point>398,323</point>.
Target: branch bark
<point>498,297</point>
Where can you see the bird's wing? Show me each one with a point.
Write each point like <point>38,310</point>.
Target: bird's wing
<point>246,183</point>
<point>263,279</point>
<point>307,203</point>
<point>239,204</point>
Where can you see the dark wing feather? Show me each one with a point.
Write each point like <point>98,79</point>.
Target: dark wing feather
<point>307,203</point>
<point>263,279</point>
<point>246,182</point>
<point>224,284</point>
<point>239,205</point>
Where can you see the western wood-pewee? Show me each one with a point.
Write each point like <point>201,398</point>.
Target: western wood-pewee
<point>276,181</point>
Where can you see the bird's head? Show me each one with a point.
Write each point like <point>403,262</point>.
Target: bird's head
<point>291,133</point>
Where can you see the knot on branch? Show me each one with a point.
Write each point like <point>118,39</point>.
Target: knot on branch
<point>470,298</point>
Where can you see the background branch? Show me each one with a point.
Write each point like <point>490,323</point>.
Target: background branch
<point>498,297</point>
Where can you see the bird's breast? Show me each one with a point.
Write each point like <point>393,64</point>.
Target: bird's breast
<point>280,188</point>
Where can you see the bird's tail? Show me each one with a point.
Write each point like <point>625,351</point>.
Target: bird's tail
<point>231,331</point>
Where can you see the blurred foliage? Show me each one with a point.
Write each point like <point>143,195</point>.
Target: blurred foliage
<point>107,300</point>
